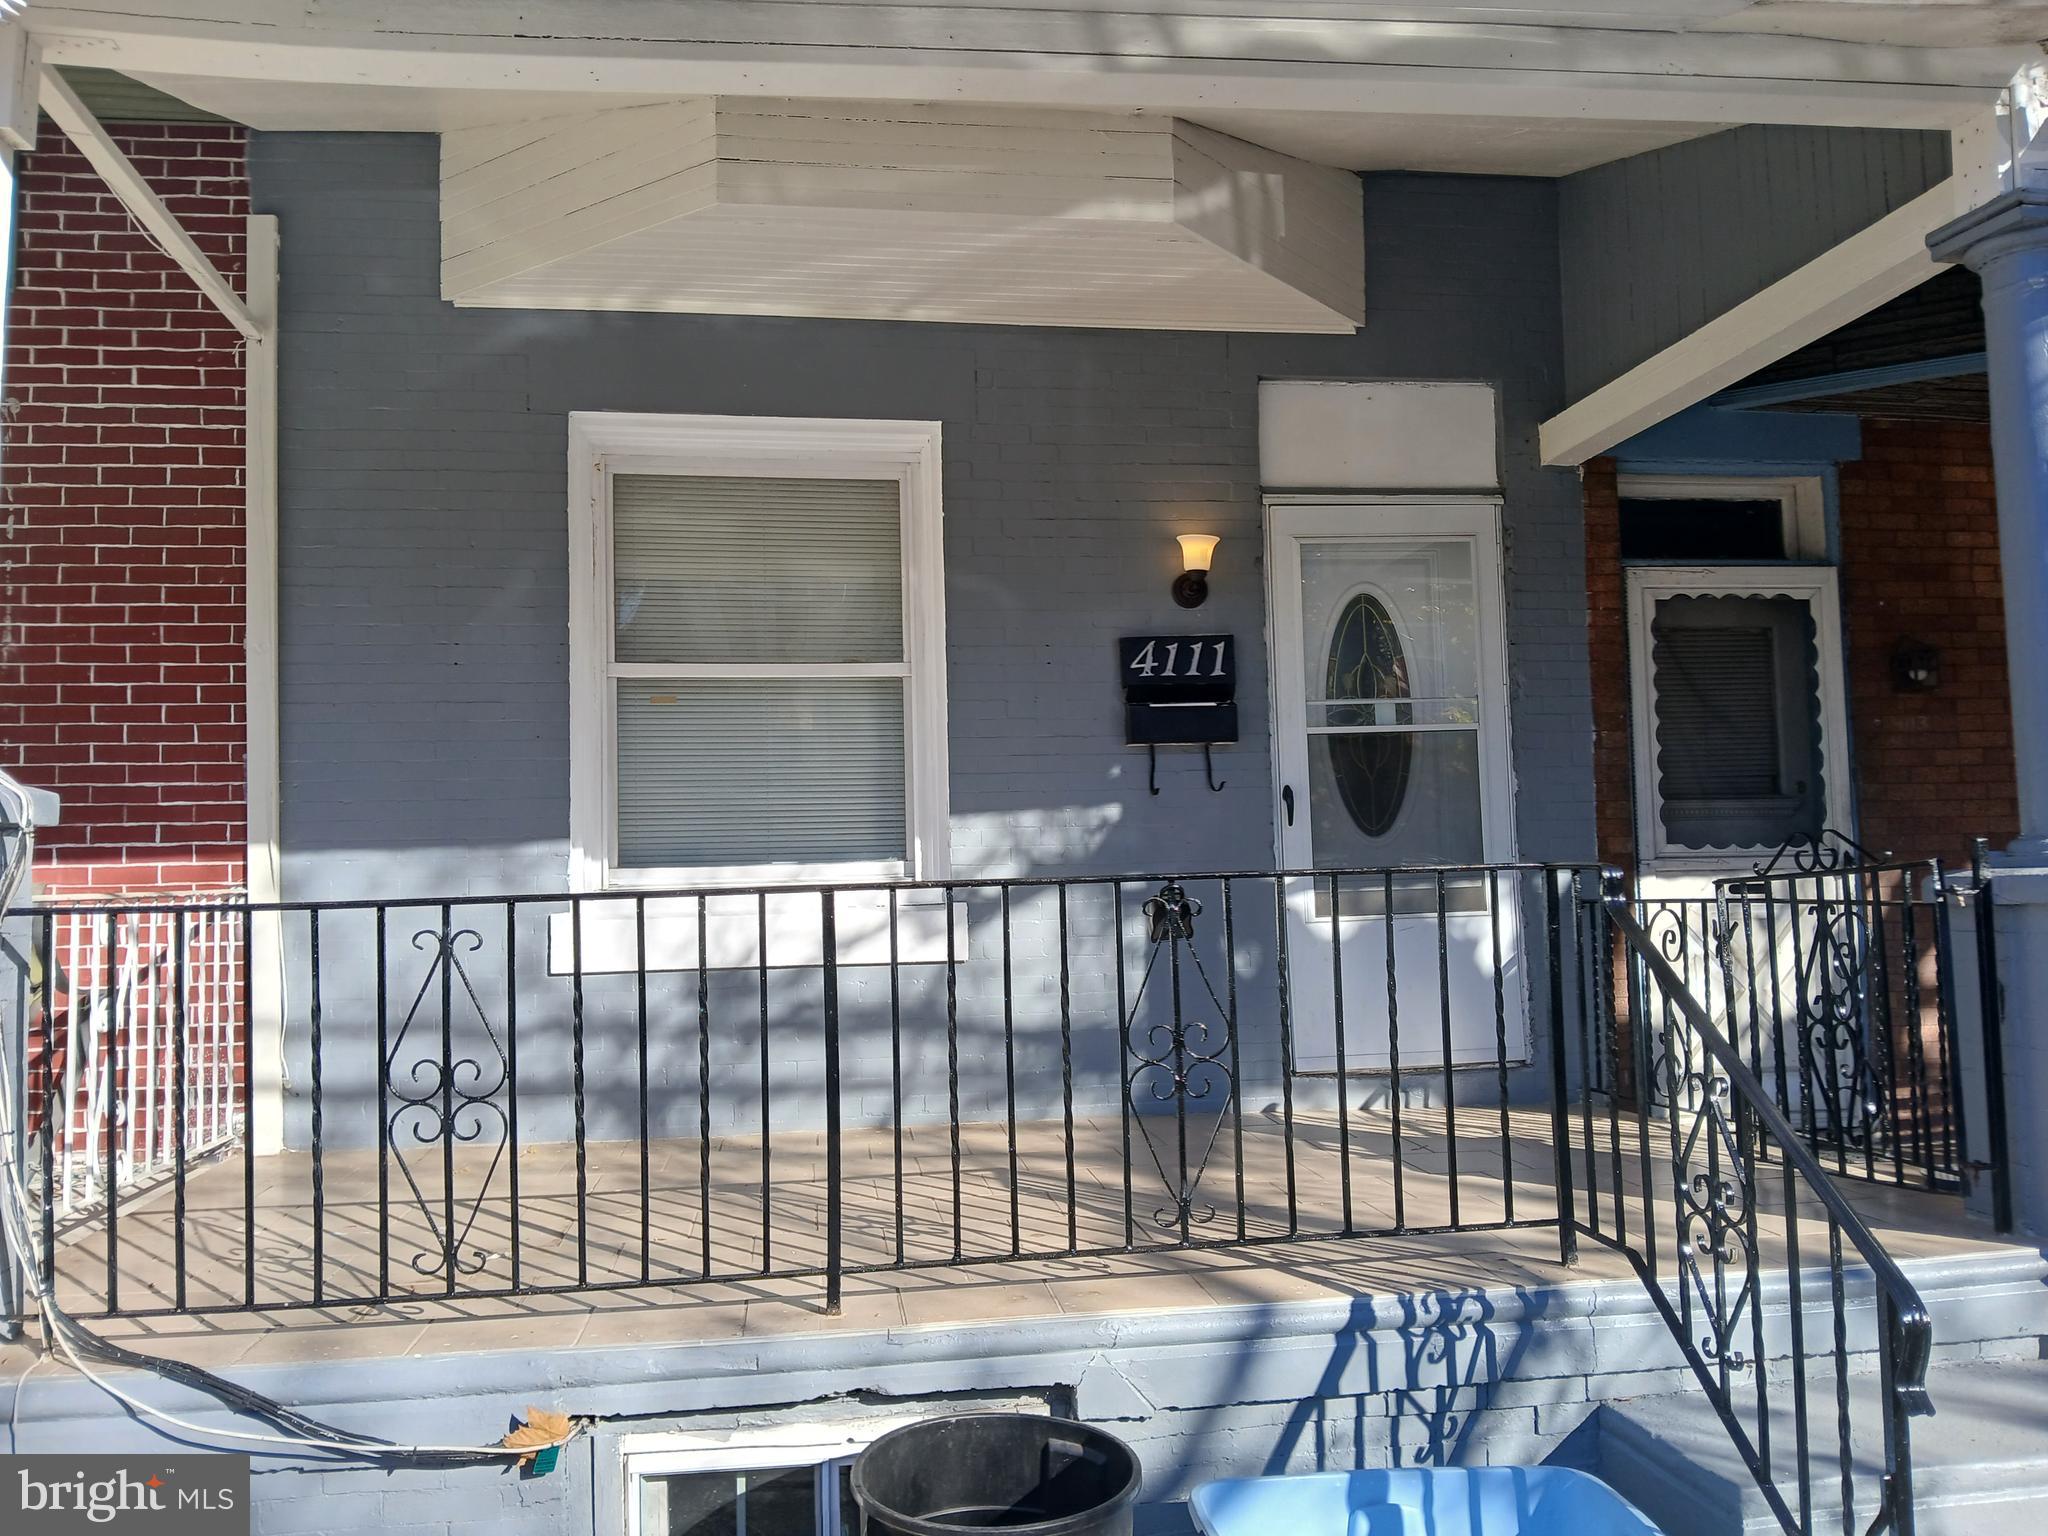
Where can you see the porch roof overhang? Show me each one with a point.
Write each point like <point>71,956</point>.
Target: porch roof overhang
<point>1650,61</point>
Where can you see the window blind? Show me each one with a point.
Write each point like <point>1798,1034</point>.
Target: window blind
<point>710,569</point>
<point>1717,713</point>
<point>760,771</point>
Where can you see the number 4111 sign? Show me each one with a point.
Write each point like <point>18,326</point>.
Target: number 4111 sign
<point>1179,689</point>
<point>1176,658</point>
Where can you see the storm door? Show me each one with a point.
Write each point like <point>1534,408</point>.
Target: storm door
<point>1391,759</point>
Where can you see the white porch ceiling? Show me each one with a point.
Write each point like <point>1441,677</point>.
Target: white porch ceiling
<point>933,212</point>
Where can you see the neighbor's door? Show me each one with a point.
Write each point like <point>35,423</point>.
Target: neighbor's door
<point>1391,752</point>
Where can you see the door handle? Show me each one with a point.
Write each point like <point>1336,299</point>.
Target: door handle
<point>1287,802</point>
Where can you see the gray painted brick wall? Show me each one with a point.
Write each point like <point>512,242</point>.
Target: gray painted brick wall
<point>424,585</point>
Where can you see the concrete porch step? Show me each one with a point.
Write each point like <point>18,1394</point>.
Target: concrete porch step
<point>1980,1462</point>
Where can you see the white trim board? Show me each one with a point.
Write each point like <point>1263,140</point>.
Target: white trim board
<point>1851,279</point>
<point>263,856</point>
<point>909,451</point>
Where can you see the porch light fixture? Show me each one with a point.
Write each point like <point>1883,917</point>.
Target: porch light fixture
<point>1191,586</point>
<point>1916,666</point>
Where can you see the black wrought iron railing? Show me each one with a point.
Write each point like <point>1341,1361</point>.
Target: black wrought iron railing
<point>1839,975</point>
<point>1808,1339</point>
<point>503,1096</point>
<point>499,1097</point>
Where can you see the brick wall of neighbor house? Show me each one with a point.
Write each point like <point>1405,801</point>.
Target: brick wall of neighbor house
<point>1607,665</point>
<point>1920,561</point>
<point>121,618</point>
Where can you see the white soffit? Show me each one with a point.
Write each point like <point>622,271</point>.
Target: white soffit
<point>997,215</point>
<point>1328,435</point>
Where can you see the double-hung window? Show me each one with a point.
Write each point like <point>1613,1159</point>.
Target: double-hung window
<point>758,651</point>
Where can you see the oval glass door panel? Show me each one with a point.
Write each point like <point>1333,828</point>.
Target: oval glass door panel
<point>1368,663</point>
<point>1393,712</point>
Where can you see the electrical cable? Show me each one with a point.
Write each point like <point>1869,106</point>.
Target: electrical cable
<point>77,1343</point>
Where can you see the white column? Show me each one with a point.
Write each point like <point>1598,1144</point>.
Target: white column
<point>2006,243</point>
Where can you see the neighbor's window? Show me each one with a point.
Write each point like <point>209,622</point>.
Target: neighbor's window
<point>761,696</point>
<point>1671,519</point>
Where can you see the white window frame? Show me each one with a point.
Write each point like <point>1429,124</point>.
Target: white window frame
<point>1650,584</point>
<point>826,1444</point>
<point>1803,499</point>
<point>603,444</point>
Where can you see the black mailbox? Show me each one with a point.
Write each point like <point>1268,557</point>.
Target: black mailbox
<point>1179,690</point>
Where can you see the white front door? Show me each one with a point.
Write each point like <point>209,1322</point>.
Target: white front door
<point>1391,754</point>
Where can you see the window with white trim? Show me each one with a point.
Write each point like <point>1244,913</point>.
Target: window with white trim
<point>788,1478</point>
<point>757,637</point>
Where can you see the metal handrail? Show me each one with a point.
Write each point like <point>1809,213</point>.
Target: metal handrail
<point>1916,1328</point>
<point>879,887</point>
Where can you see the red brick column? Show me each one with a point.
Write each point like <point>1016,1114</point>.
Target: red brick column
<point>1919,531</point>
<point>121,619</point>
<point>1607,658</point>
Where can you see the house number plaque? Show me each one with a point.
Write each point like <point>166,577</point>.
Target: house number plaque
<point>1179,690</point>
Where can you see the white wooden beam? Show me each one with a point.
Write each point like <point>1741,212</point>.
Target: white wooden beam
<point>1851,279</point>
<point>21,65</point>
<point>1464,61</point>
<point>105,157</point>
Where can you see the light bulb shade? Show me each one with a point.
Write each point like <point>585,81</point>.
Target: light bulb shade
<point>1197,550</point>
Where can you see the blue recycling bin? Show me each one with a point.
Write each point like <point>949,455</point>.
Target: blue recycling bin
<point>1418,1501</point>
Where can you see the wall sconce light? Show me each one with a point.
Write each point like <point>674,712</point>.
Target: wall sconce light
<point>1916,666</point>
<point>1191,586</point>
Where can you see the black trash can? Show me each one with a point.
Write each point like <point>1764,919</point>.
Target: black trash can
<point>1014,1472</point>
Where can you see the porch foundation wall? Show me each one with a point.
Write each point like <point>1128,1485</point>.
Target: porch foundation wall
<point>1466,1377</point>
<point>424,582</point>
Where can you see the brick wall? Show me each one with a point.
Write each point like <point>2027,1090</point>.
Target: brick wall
<point>1607,666</point>
<point>121,682</point>
<point>1920,560</point>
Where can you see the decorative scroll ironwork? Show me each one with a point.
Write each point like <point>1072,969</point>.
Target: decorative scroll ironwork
<point>1829,1003</point>
<point>1687,934</point>
<point>1178,1061</point>
<point>1713,1185</point>
<point>447,1100</point>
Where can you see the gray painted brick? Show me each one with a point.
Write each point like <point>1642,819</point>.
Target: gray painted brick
<point>424,589</point>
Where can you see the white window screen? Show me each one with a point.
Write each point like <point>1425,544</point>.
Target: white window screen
<point>779,737</point>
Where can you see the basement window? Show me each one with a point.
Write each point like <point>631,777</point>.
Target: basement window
<point>790,1477</point>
